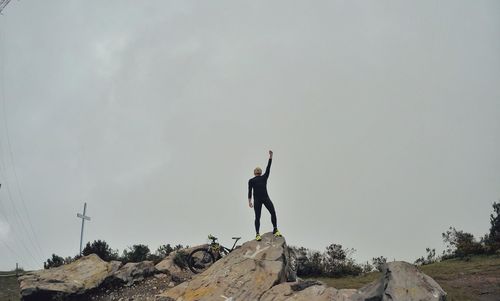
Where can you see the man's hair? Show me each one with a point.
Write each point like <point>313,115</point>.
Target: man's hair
<point>257,171</point>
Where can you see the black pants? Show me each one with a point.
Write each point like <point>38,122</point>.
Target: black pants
<point>257,207</point>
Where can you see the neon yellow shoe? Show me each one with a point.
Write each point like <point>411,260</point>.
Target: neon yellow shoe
<point>258,237</point>
<point>277,233</point>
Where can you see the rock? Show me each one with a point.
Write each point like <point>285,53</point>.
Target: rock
<point>168,266</point>
<point>160,276</point>
<point>115,265</point>
<point>260,271</point>
<point>402,281</point>
<point>305,291</point>
<point>132,272</point>
<point>77,277</point>
<point>244,274</point>
<point>177,278</point>
<point>256,271</point>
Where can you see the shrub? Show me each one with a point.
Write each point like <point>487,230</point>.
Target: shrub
<point>53,262</point>
<point>164,250</point>
<point>379,262</point>
<point>334,262</point>
<point>492,239</point>
<point>101,249</point>
<point>338,262</point>
<point>181,259</point>
<point>366,267</point>
<point>136,253</point>
<point>460,244</point>
<point>430,258</point>
<point>314,265</point>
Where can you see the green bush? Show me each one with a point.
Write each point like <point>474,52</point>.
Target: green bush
<point>334,262</point>
<point>338,262</point>
<point>136,253</point>
<point>181,259</point>
<point>492,239</point>
<point>379,262</point>
<point>366,267</point>
<point>460,244</point>
<point>430,257</point>
<point>53,262</point>
<point>101,249</point>
<point>164,250</point>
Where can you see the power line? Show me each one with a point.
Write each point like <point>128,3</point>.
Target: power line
<point>3,4</point>
<point>16,212</point>
<point>7,219</point>
<point>37,245</point>
<point>4,111</point>
<point>9,248</point>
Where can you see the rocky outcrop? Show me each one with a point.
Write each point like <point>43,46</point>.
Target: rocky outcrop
<point>71,279</point>
<point>255,271</point>
<point>401,281</point>
<point>245,274</point>
<point>88,273</point>
<point>261,271</point>
<point>132,272</point>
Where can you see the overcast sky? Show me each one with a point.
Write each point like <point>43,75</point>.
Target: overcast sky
<point>384,117</point>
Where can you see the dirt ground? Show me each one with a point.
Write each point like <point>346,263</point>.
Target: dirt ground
<point>145,290</point>
<point>9,288</point>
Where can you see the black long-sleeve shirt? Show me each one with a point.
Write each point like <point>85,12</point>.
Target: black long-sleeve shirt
<point>258,184</point>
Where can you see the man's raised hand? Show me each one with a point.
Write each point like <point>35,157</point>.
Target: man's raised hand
<point>271,154</point>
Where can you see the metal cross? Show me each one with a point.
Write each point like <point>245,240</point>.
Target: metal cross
<point>84,218</point>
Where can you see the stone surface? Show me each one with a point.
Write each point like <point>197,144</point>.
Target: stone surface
<point>260,271</point>
<point>402,281</point>
<point>168,266</point>
<point>305,291</point>
<point>244,274</point>
<point>256,271</point>
<point>132,272</point>
<point>77,277</point>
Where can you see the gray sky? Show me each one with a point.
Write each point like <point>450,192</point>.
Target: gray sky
<point>383,115</point>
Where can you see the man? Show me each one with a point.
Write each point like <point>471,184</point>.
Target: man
<point>258,185</point>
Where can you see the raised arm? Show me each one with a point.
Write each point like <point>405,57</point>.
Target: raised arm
<point>268,168</point>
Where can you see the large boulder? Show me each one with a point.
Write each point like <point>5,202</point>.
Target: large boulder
<point>168,265</point>
<point>402,281</point>
<point>305,291</point>
<point>244,274</point>
<point>132,272</point>
<point>75,278</point>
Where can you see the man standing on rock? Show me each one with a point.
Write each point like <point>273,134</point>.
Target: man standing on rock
<point>259,186</point>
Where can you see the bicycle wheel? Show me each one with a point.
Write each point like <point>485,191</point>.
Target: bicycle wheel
<point>200,260</point>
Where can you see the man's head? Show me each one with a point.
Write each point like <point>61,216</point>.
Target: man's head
<point>257,171</point>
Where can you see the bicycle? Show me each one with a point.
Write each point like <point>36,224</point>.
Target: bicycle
<point>202,258</point>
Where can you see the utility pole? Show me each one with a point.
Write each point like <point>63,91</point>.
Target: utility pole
<point>84,218</point>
